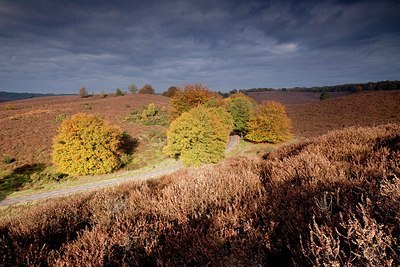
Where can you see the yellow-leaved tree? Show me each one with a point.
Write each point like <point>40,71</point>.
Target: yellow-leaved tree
<point>199,136</point>
<point>86,145</point>
<point>269,123</point>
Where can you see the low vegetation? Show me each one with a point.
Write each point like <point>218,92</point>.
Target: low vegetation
<point>332,201</point>
<point>87,145</point>
<point>150,115</point>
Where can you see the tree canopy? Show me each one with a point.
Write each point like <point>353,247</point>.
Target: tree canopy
<point>199,136</point>
<point>86,145</point>
<point>269,123</point>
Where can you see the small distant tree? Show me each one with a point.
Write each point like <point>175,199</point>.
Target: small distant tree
<point>324,95</point>
<point>133,88</point>
<point>199,136</point>
<point>83,92</point>
<point>118,92</point>
<point>240,107</point>
<point>269,123</point>
<point>102,94</point>
<point>358,88</point>
<point>171,91</point>
<point>86,145</point>
<point>147,89</point>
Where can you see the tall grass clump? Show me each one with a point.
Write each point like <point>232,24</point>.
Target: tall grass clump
<point>331,201</point>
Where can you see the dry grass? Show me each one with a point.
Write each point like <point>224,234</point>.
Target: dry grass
<point>333,200</point>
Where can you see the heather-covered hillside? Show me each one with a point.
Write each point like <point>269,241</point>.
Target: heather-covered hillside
<point>330,201</point>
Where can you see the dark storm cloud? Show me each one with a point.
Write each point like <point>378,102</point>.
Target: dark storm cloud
<point>60,45</point>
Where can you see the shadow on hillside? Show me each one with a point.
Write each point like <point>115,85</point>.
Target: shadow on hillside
<point>129,144</point>
<point>19,176</point>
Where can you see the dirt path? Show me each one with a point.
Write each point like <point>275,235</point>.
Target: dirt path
<point>233,142</point>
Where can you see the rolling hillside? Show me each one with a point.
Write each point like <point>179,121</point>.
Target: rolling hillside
<point>27,127</point>
<point>312,117</point>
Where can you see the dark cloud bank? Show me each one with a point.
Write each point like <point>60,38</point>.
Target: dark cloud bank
<point>58,46</point>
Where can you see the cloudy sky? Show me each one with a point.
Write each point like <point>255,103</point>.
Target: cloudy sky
<point>59,45</point>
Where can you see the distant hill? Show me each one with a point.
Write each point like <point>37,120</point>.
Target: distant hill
<point>9,96</point>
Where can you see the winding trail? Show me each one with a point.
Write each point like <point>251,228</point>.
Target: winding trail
<point>233,142</point>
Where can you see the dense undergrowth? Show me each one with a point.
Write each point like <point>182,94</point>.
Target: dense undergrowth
<point>333,200</point>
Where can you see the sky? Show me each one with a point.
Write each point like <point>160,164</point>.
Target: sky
<point>57,46</point>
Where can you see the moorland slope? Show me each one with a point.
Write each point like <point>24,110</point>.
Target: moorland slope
<point>27,127</point>
<point>312,117</point>
<point>330,201</point>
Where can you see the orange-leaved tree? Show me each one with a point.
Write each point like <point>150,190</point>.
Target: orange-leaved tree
<point>269,123</point>
<point>147,89</point>
<point>86,145</point>
<point>199,136</point>
<point>191,96</point>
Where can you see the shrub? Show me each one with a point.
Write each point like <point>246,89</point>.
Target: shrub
<point>8,160</point>
<point>199,136</point>
<point>192,96</point>
<point>269,123</point>
<point>240,107</point>
<point>61,117</point>
<point>9,107</point>
<point>132,88</point>
<point>83,92</point>
<point>150,115</point>
<point>324,95</point>
<point>147,89</point>
<point>87,145</point>
<point>118,92</point>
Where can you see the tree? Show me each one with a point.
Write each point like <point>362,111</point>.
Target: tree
<point>86,145</point>
<point>358,88</point>
<point>192,96</point>
<point>199,136</point>
<point>269,123</point>
<point>118,92</point>
<point>132,88</point>
<point>171,91</point>
<point>102,94</point>
<point>324,95</point>
<point>83,92</point>
<point>240,107</point>
<point>146,89</point>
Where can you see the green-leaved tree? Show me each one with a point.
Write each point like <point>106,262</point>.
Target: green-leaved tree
<point>240,107</point>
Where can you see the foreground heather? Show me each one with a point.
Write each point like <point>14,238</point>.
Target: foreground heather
<point>333,200</point>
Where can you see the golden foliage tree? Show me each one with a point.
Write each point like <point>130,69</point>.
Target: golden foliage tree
<point>269,123</point>
<point>193,95</point>
<point>199,136</point>
<point>86,145</point>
